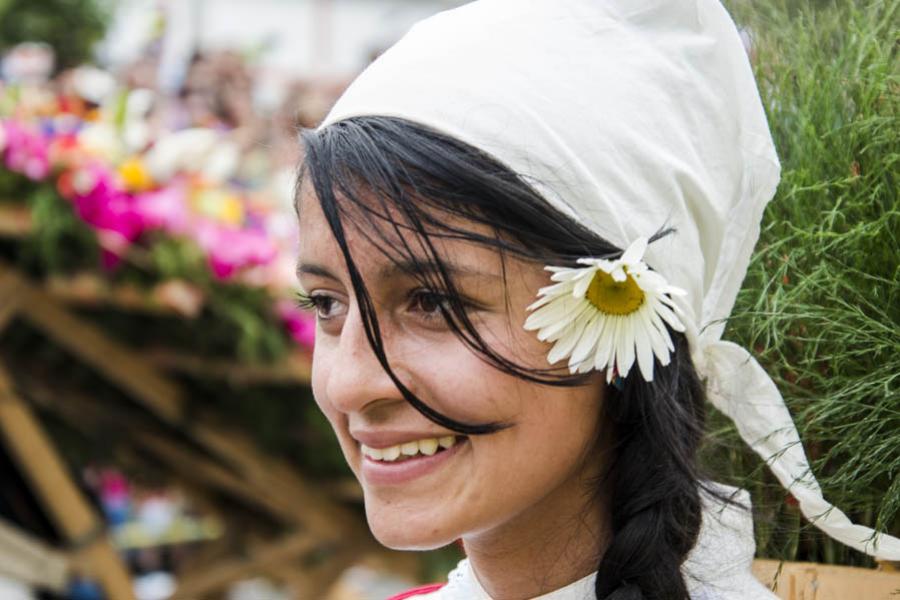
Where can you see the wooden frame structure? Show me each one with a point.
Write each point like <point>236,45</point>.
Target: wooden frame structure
<point>218,458</point>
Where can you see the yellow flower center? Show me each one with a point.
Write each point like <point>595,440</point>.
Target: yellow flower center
<point>614,297</point>
<point>135,175</point>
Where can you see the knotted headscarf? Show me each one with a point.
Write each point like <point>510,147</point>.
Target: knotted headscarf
<point>627,116</point>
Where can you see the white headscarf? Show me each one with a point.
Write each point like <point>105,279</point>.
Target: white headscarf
<point>627,115</point>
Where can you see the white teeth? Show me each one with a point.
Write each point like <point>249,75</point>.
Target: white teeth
<point>390,454</point>
<point>428,447</point>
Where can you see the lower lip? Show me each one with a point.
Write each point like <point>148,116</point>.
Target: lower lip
<point>377,472</point>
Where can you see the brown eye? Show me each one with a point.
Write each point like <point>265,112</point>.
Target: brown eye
<point>322,305</point>
<point>429,303</point>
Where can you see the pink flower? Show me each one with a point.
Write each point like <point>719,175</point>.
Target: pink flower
<point>102,204</point>
<point>300,325</point>
<point>165,209</point>
<point>230,250</point>
<point>25,151</point>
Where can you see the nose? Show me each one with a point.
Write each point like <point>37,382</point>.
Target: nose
<point>356,378</point>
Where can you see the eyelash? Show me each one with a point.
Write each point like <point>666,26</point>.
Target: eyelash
<point>317,302</point>
<point>306,301</point>
<point>436,297</point>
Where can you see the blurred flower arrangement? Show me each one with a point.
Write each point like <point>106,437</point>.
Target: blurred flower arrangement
<point>163,210</point>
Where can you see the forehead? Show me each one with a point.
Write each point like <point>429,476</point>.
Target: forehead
<point>370,236</point>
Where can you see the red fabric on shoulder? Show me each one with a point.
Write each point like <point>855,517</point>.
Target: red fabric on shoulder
<point>425,589</point>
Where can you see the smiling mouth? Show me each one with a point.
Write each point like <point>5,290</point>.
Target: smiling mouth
<point>411,450</point>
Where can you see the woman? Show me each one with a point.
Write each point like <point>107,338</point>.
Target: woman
<point>522,228</point>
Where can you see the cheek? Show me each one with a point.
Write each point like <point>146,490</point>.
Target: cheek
<point>456,382</point>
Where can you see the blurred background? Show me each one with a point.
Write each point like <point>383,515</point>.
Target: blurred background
<point>158,438</point>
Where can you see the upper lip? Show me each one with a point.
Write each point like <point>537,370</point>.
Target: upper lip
<point>387,438</point>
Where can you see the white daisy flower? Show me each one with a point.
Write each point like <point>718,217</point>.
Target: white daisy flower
<point>607,314</point>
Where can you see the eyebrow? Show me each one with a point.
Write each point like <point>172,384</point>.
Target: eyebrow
<point>428,267</point>
<point>317,270</point>
<point>405,267</point>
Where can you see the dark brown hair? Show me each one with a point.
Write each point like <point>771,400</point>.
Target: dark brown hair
<point>391,175</point>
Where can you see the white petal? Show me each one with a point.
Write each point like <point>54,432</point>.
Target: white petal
<point>657,333</point>
<point>665,300</point>
<point>635,251</point>
<point>541,301</point>
<point>588,341</point>
<point>545,315</point>
<point>598,263</point>
<point>564,346</point>
<point>583,367</point>
<point>618,274</point>
<point>553,328</point>
<point>666,313</point>
<point>638,268</point>
<point>581,286</point>
<point>557,308</point>
<point>625,349</point>
<point>567,275</point>
<point>606,344</point>
<point>642,344</point>
<point>651,281</point>
<point>556,289</point>
<point>618,350</point>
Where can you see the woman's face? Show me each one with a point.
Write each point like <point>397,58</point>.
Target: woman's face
<point>481,484</point>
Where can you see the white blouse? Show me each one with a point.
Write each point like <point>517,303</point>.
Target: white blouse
<point>718,568</point>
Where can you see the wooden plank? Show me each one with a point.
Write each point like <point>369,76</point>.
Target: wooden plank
<point>133,374</point>
<point>88,415</point>
<point>323,578</point>
<point>31,561</point>
<point>16,221</point>
<point>889,566</point>
<point>810,581</point>
<point>64,502</point>
<point>85,414</point>
<point>294,369</point>
<point>196,470</point>
<point>321,515</point>
<point>116,362</point>
<point>89,290</point>
<point>10,297</point>
<point>193,465</point>
<point>216,577</point>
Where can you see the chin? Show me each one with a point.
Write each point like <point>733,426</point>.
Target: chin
<point>397,529</point>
